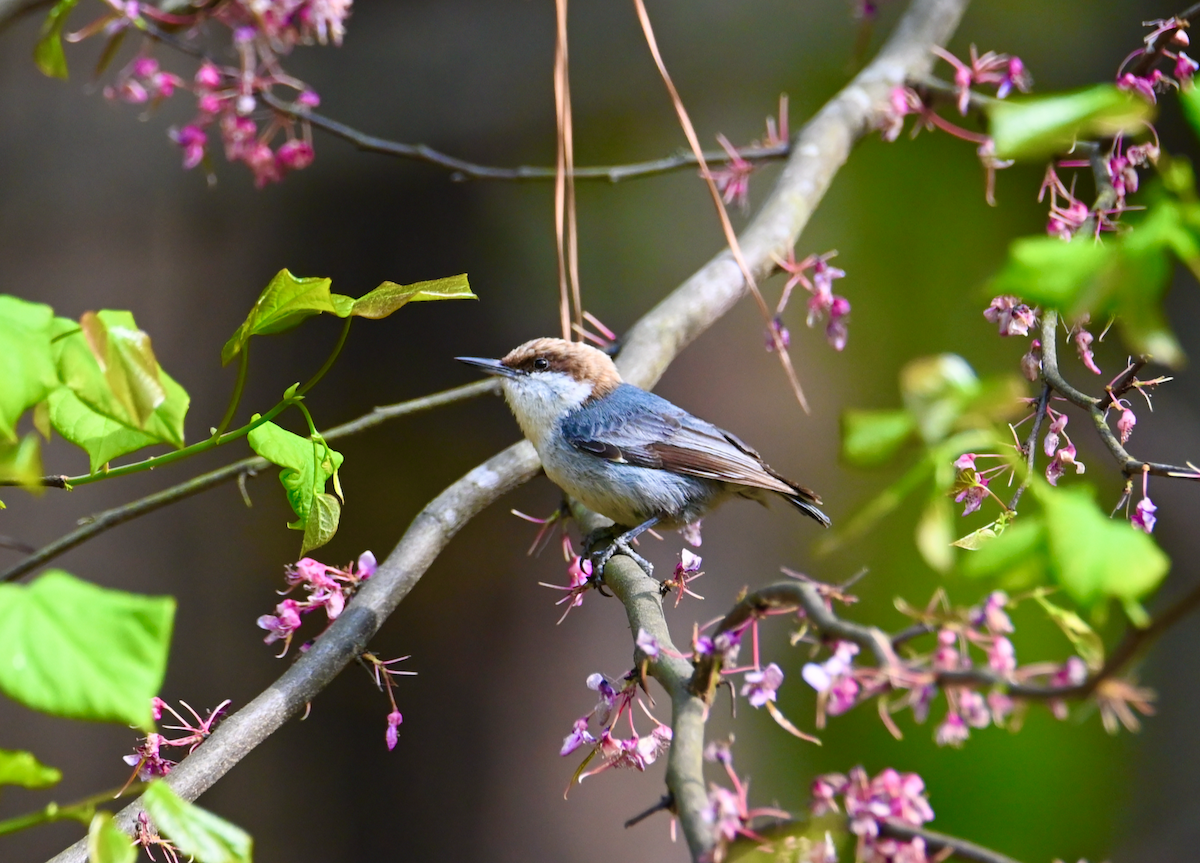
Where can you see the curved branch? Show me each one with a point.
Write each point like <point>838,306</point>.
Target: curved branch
<point>1096,409</point>
<point>110,518</point>
<point>820,149</point>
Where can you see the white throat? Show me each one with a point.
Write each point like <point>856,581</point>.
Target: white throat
<point>541,399</point>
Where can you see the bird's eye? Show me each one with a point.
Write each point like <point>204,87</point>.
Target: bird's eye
<point>541,364</point>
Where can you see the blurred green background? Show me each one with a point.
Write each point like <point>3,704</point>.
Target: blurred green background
<point>96,213</point>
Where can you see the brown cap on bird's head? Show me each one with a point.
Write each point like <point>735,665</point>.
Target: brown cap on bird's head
<point>580,361</point>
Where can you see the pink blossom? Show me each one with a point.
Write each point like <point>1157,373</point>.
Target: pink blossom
<point>1143,515</point>
<point>647,644</point>
<point>1125,423</point>
<point>992,614</point>
<point>1013,317</point>
<point>193,140</point>
<point>1051,441</point>
<point>393,725</point>
<point>1185,67</point>
<point>282,624</point>
<point>294,155</point>
<point>1143,86</point>
<point>966,461</point>
<point>760,686</point>
<point>208,77</point>
<point>952,732</point>
<point>733,180</point>
<point>972,496</point>
<point>578,737</point>
<point>1002,656</point>
<point>1058,465</point>
<point>309,99</point>
<point>1083,344</point>
<point>366,565</point>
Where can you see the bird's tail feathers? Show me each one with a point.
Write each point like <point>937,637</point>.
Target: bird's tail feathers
<point>805,501</point>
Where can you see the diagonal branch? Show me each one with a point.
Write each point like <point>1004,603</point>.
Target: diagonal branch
<point>820,149</point>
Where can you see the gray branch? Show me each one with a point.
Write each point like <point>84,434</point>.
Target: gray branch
<point>820,149</point>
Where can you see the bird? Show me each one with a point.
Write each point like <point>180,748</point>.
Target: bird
<point>626,453</point>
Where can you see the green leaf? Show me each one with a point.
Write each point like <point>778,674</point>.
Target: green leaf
<point>101,437</point>
<point>935,391</point>
<point>1189,99</point>
<point>1049,272</point>
<point>1094,557</point>
<point>977,539</point>
<point>1019,543</point>
<point>127,360</point>
<point>1126,276</point>
<point>1088,644</point>
<point>307,466</point>
<point>322,524</point>
<point>872,437</point>
<point>22,768</point>
<point>284,303</point>
<point>22,462</point>
<point>1034,127</point>
<point>106,843</point>
<point>389,296</point>
<point>196,832</point>
<point>72,649</point>
<point>935,533</point>
<point>27,372</point>
<point>81,372</point>
<point>48,53</point>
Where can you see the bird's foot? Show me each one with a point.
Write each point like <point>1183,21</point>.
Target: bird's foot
<point>618,542</point>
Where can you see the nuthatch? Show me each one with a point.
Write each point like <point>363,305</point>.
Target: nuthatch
<point>623,452</point>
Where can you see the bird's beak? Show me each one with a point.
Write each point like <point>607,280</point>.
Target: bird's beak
<point>492,367</point>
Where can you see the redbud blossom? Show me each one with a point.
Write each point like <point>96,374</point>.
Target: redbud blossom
<point>952,732</point>
<point>393,724</point>
<point>1143,86</point>
<point>1002,656</point>
<point>1125,423</point>
<point>1031,363</point>
<point>579,735</point>
<point>760,686</point>
<point>1058,466</point>
<point>208,77</point>
<point>1143,515</point>
<point>1051,441</point>
<point>1083,344</point>
<point>1013,317</point>
<point>647,644</point>
<point>733,180</point>
<point>1185,68</point>
<point>974,709</point>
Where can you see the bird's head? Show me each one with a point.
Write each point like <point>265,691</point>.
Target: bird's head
<point>545,379</point>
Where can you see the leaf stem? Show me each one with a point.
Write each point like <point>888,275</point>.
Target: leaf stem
<point>236,398</point>
<point>321,372</point>
<point>81,810</point>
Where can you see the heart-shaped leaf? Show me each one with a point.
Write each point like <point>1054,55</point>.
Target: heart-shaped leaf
<point>76,650</point>
<point>389,296</point>
<point>196,832</point>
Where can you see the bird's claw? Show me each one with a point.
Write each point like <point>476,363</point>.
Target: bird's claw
<point>620,544</point>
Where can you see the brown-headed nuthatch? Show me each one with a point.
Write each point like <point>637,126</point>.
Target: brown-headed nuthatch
<point>625,453</point>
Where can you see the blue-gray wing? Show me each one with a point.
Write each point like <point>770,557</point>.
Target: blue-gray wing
<point>635,427</point>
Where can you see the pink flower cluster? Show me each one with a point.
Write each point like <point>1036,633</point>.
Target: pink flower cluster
<point>730,814</point>
<point>868,802</point>
<point>327,587</point>
<point>147,759</point>
<point>834,680</point>
<point>635,751</point>
<point>1012,316</point>
<point>1006,72</point>
<point>823,303</point>
<point>227,97</point>
<point>1165,42</point>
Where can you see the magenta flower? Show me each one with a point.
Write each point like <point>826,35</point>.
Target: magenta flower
<point>1083,344</point>
<point>578,737</point>
<point>1125,423</point>
<point>282,624</point>
<point>1051,441</point>
<point>834,678</point>
<point>1143,515</point>
<point>208,77</point>
<point>1013,317</point>
<point>647,644</point>
<point>952,732</point>
<point>760,686</point>
<point>1058,465</point>
<point>992,614</point>
<point>1002,656</point>
<point>733,180</point>
<point>393,725</point>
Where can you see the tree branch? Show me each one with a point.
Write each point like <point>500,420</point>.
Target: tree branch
<point>1096,408</point>
<point>935,842</point>
<point>464,170</point>
<point>820,149</point>
<point>110,518</point>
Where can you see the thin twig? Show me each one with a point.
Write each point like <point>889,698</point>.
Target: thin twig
<point>110,518</point>
<point>1029,450</point>
<point>463,170</point>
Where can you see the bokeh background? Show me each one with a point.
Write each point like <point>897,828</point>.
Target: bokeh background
<point>96,213</point>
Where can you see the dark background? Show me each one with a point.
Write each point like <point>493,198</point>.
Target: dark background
<point>96,213</point>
